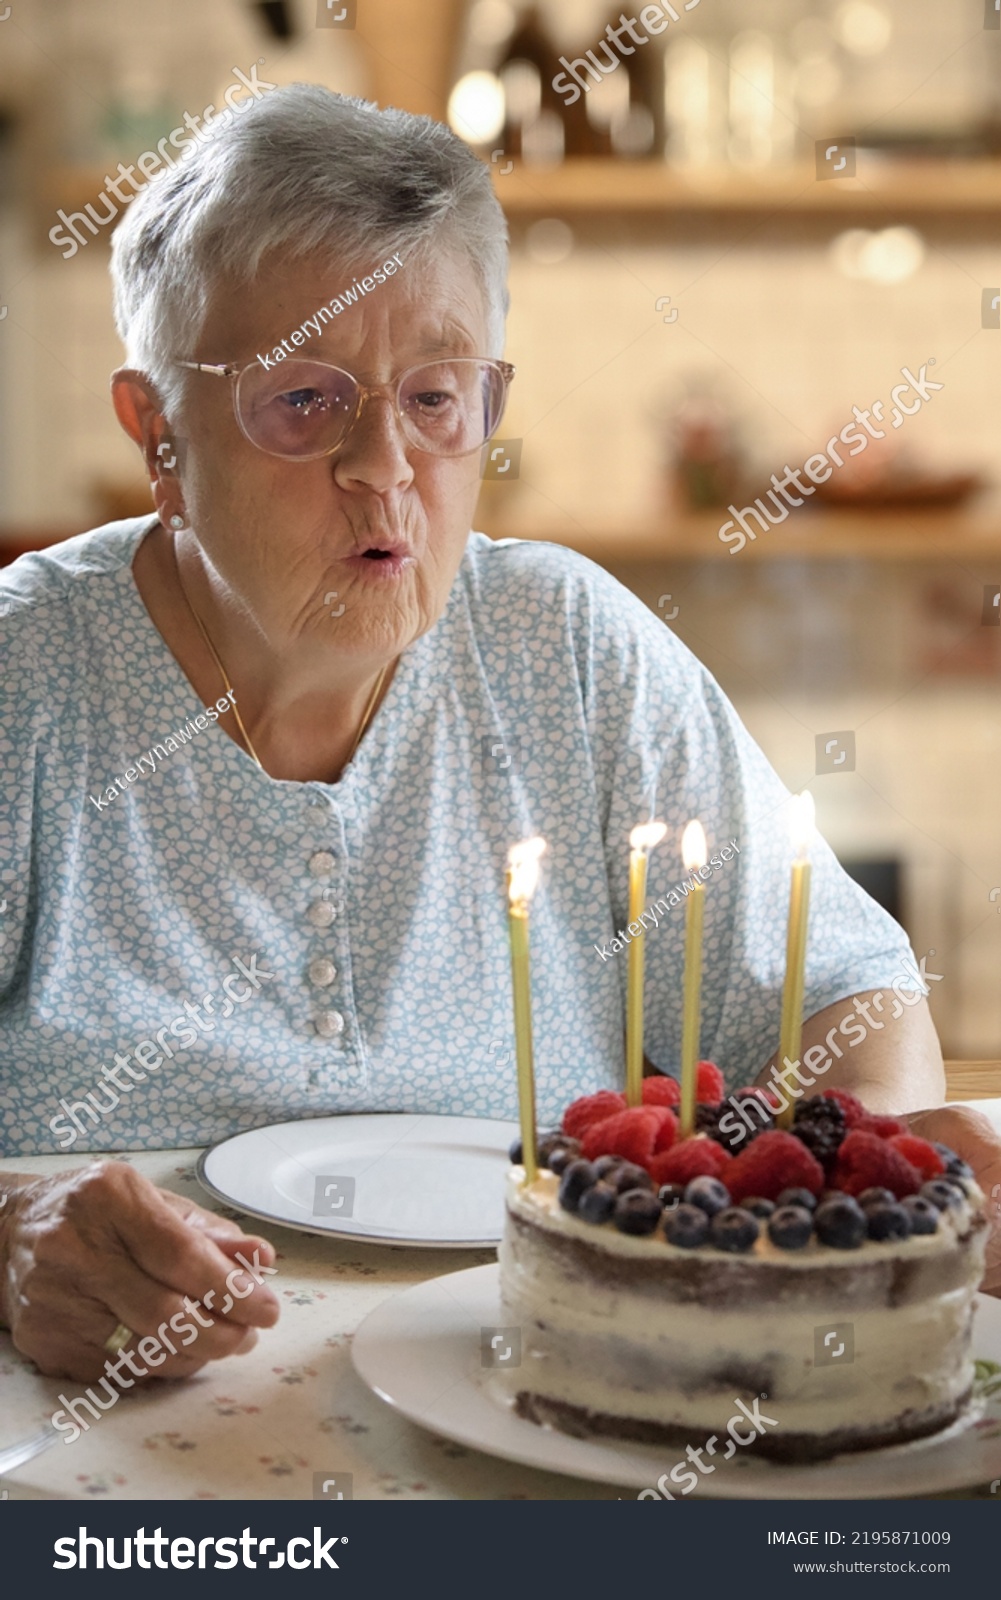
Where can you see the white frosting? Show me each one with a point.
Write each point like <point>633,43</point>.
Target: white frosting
<point>611,1349</point>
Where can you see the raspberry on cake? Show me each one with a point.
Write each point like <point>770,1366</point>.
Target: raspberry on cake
<point>667,1133</point>
<point>693,1158</point>
<point>885,1127</point>
<point>661,1091</point>
<point>577,1118</point>
<point>775,1161</point>
<point>628,1133</point>
<point>866,1161</point>
<point>920,1154</point>
<point>710,1085</point>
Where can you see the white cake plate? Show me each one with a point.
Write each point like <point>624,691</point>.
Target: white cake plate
<point>423,1352</point>
<point>437,1182</point>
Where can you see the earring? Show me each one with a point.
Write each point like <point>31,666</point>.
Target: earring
<point>177,522</point>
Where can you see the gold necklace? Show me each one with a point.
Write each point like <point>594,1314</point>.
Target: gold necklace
<point>366,717</point>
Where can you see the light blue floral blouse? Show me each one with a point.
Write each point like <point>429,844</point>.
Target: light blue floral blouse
<point>189,947</point>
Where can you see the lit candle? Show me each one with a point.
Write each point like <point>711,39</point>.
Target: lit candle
<point>642,840</point>
<point>801,824</point>
<point>693,853</point>
<point>522,879</point>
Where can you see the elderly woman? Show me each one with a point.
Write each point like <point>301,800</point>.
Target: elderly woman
<point>290,902</point>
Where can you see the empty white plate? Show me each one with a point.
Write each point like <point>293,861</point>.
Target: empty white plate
<point>394,1179</point>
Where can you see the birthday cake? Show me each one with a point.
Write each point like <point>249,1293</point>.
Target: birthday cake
<point>821,1276</point>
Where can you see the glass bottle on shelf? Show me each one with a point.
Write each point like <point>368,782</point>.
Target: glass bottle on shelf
<point>539,126</point>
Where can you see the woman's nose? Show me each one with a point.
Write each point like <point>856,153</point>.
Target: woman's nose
<point>374,455</point>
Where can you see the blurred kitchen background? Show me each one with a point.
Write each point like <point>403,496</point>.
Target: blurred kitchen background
<point>700,297</point>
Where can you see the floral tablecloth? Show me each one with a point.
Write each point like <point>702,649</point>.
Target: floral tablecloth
<point>260,1426</point>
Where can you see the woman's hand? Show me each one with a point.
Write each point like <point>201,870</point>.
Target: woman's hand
<point>969,1133</point>
<point>84,1251</point>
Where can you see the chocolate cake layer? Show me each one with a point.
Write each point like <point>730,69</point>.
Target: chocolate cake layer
<point>783,1446</point>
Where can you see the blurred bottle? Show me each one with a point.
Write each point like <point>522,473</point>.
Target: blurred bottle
<point>540,126</point>
<point>535,126</point>
<point>705,457</point>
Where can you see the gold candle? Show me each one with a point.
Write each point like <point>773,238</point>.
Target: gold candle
<point>522,879</point>
<point>642,840</point>
<point>693,853</point>
<point>801,823</point>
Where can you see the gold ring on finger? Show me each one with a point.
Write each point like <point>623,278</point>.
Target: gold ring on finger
<point>116,1342</point>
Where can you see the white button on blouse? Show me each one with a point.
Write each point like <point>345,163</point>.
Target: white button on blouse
<point>322,864</point>
<point>322,913</point>
<point>322,971</point>
<point>329,1024</point>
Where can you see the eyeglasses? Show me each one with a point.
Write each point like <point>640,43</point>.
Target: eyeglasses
<point>305,409</point>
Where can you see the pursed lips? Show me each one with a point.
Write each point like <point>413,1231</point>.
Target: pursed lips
<point>385,559</point>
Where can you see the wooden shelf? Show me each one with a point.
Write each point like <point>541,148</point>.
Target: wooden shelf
<point>820,536</point>
<point>583,186</point>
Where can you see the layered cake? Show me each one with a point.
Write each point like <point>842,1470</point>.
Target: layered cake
<point>821,1278</point>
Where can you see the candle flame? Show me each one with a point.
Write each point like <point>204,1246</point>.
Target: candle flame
<point>693,847</point>
<point>647,836</point>
<point>802,819</point>
<point>523,869</point>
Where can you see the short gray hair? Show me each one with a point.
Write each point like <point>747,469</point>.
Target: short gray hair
<point>298,171</point>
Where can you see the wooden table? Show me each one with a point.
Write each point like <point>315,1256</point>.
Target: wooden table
<point>973,1080</point>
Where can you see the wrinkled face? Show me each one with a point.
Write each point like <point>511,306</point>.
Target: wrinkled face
<point>357,550</point>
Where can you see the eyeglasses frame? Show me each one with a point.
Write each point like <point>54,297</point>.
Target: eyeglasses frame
<point>390,389</point>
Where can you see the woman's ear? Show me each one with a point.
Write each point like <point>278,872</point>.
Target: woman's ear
<point>138,408</point>
<point>140,411</point>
